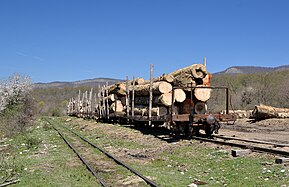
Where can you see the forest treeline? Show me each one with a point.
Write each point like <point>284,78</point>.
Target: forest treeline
<point>248,90</point>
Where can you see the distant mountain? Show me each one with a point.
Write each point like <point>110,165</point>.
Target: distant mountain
<point>250,69</point>
<point>102,81</point>
<point>88,82</point>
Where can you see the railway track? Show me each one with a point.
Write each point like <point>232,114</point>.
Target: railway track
<point>70,135</point>
<point>254,145</point>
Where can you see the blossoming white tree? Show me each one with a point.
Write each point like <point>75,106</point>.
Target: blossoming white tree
<point>13,90</point>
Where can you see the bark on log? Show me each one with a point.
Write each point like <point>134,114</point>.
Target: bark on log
<point>139,81</point>
<point>116,106</point>
<point>184,80</point>
<point>164,77</point>
<point>201,107</point>
<point>264,112</point>
<point>118,89</point>
<point>187,106</point>
<point>202,94</point>
<point>179,95</point>
<point>198,71</point>
<point>156,111</point>
<point>158,100</point>
<point>158,88</point>
<point>167,77</point>
<point>207,80</point>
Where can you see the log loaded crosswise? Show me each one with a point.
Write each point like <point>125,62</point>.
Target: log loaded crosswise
<point>180,95</point>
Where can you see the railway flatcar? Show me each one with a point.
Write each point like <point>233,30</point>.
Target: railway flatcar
<point>177,101</point>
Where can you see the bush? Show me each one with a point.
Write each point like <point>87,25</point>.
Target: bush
<point>16,105</point>
<point>32,142</point>
<point>55,112</point>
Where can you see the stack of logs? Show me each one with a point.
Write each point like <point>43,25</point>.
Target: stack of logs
<point>169,89</point>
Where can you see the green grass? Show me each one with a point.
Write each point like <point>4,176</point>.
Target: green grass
<point>42,159</point>
<point>216,167</point>
<point>180,166</point>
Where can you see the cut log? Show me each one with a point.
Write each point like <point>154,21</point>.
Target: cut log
<point>201,107</point>
<point>141,100</point>
<point>158,88</point>
<point>164,99</point>
<point>179,95</point>
<point>139,81</point>
<point>165,77</point>
<point>240,114</point>
<point>158,100</point>
<point>264,112</point>
<point>187,106</point>
<point>111,98</point>
<point>202,94</point>
<point>118,89</point>
<point>156,111</point>
<point>207,79</point>
<point>116,106</point>
<point>184,80</point>
<point>199,71</point>
<point>176,110</point>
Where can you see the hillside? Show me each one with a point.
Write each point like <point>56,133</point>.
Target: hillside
<point>251,69</point>
<point>248,90</point>
<point>52,98</point>
<point>88,82</point>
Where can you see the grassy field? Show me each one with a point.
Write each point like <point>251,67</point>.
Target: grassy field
<point>40,158</point>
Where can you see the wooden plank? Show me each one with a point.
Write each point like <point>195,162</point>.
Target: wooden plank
<point>90,101</point>
<point>78,102</point>
<point>103,103</point>
<point>99,103</point>
<point>151,94</point>
<point>132,101</point>
<point>127,97</point>
<point>107,104</point>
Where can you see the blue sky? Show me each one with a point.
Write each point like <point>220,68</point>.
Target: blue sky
<point>68,40</point>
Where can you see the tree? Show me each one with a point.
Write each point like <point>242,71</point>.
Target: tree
<point>14,90</point>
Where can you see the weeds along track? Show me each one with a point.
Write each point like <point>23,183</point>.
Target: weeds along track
<point>85,150</point>
<point>253,145</point>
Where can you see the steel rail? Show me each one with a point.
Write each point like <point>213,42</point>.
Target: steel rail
<point>245,146</point>
<point>252,141</point>
<point>80,157</point>
<point>147,180</point>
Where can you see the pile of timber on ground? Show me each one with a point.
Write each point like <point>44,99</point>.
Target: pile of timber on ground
<point>169,89</point>
<point>264,112</point>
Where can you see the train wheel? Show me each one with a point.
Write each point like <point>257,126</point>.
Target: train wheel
<point>196,131</point>
<point>209,130</point>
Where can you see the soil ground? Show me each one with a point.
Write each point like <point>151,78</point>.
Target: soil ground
<point>273,130</point>
<point>156,141</point>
